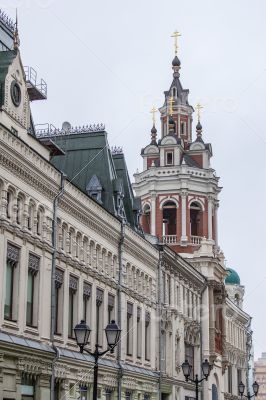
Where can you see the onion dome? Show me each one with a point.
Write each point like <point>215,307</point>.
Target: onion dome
<point>199,127</point>
<point>153,135</point>
<point>232,278</point>
<point>176,62</point>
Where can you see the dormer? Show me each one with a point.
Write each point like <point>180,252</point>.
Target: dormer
<point>170,148</point>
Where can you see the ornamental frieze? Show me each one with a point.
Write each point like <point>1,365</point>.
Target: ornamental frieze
<point>34,366</point>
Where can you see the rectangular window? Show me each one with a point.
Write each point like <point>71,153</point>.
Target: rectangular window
<point>59,279</point>
<point>169,290</point>
<point>229,372</point>
<point>99,316</point>
<point>11,285</point>
<point>147,336</point>
<point>169,158</point>
<point>128,395</point>
<point>139,333</point>
<point>108,394</point>
<point>183,128</point>
<point>73,287</point>
<point>129,329</point>
<point>189,356</point>
<point>86,302</point>
<point>32,291</point>
<point>111,307</point>
<point>239,376</point>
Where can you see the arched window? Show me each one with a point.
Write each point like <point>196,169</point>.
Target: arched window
<point>31,216</point>
<point>146,219</point>
<point>174,92</point>
<point>196,220</point>
<point>9,200</point>
<point>169,218</point>
<point>183,128</point>
<point>40,214</point>
<point>20,205</point>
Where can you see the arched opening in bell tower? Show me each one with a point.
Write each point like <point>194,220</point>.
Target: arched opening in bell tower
<point>196,219</point>
<point>169,218</point>
<point>146,219</point>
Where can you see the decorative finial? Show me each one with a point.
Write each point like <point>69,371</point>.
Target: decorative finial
<point>16,36</point>
<point>153,112</point>
<point>153,129</point>
<point>176,35</point>
<point>171,102</point>
<point>199,107</point>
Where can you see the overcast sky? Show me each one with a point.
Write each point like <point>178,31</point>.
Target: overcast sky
<point>110,61</point>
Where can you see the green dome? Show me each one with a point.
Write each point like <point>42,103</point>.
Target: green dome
<point>232,278</point>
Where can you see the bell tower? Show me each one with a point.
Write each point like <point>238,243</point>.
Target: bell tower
<point>178,187</point>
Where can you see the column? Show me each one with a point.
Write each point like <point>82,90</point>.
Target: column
<point>153,214</point>
<point>216,205</point>
<point>184,217</point>
<point>210,217</point>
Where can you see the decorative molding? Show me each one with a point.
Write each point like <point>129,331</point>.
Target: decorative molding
<point>12,253</point>
<point>34,263</point>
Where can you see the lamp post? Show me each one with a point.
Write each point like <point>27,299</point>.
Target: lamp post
<point>206,369</point>
<point>82,334</point>
<point>241,389</point>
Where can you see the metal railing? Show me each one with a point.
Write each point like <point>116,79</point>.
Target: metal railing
<point>49,130</point>
<point>31,77</point>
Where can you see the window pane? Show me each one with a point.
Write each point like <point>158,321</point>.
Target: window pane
<point>29,299</point>
<point>9,291</point>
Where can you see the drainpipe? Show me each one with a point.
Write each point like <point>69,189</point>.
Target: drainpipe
<point>201,344</point>
<point>54,246</point>
<point>160,265</point>
<point>119,306</point>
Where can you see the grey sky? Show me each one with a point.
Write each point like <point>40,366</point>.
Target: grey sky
<point>109,61</point>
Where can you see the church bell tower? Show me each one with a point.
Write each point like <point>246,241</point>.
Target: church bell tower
<point>178,187</point>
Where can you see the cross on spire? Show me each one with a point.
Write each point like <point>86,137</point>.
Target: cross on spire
<point>153,112</point>
<point>171,102</point>
<point>176,35</point>
<point>199,107</point>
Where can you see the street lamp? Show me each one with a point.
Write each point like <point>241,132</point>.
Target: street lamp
<point>241,389</point>
<point>187,369</point>
<point>82,334</point>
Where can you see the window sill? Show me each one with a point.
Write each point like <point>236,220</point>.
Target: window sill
<point>58,338</point>
<point>33,330</point>
<point>10,324</point>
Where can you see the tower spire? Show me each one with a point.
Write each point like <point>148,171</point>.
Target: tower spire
<point>153,129</point>
<point>176,64</point>
<point>199,107</point>
<point>16,35</point>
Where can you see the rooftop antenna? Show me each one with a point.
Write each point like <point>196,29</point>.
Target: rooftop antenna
<point>16,36</point>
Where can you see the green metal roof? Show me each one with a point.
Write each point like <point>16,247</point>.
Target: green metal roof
<point>232,278</point>
<point>6,59</point>
<point>88,155</point>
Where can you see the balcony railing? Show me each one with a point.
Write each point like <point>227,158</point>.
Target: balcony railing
<point>195,240</point>
<point>169,239</point>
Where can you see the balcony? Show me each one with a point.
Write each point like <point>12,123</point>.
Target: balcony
<point>36,91</point>
<point>169,239</point>
<point>195,240</point>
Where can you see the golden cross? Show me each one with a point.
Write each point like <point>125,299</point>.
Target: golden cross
<point>171,102</point>
<point>176,35</point>
<point>198,107</point>
<point>153,112</point>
